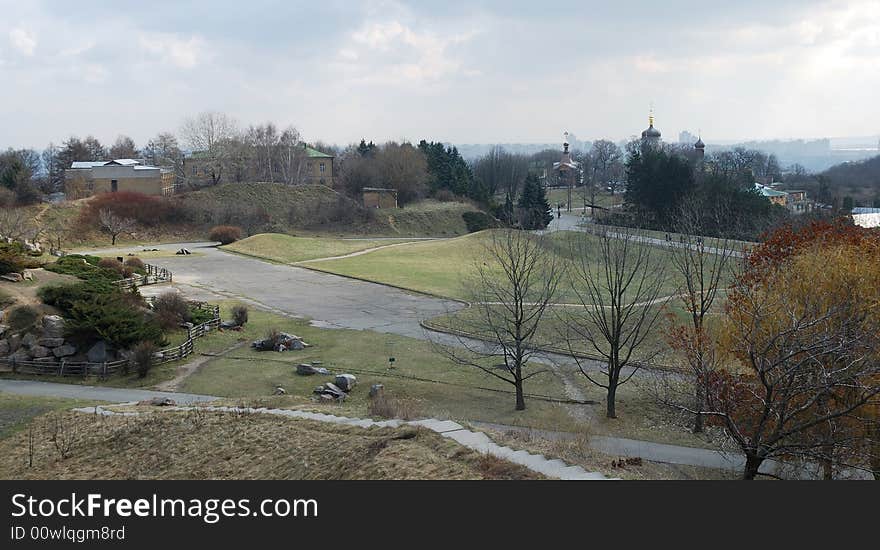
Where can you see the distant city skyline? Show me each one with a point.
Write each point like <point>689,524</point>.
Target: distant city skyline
<point>463,72</point>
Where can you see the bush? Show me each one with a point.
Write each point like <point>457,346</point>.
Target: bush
<point>383,405</point>
<point>226,234</point>
<point>144,209</point>
<point>22,318</point>
<point>171,309</point>
<point>135,263</point>
<point>112,317</point>
<point>64,296</point>
<point>85,267</point>
<point>14,258</point>
<point>240,315</point>
<point>478,221</point>
<point>199,316</point>
<point>112,264</point>
<point>142,358</point>
<point>7,197</point>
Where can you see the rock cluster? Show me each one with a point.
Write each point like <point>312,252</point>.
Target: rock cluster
<point>338,389</point>
<point>44,343</point>
<point>280,342</point>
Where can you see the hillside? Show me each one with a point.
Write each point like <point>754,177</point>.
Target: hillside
<point>204,445</point>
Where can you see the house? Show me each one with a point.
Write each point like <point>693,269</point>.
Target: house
<point>85,178</point>
<point>776,197</point>
<point>566,170</point>
<point>795,200</point>
<point>319,168</point>
<point>866,217</point>
<point>376,197</point>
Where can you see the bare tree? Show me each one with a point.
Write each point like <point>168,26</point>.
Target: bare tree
<point>514,285</point>
<point>607,157</point>
<point>703,267</point>
<point>212,134</point>
<point>618,282</point>
<point>18,225</point>
<point>113,224</point>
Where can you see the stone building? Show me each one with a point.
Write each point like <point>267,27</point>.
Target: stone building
<point>376,197</point>
<point>85,178</point>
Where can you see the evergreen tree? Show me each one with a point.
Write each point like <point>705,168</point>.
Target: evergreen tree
<point>535,211</point>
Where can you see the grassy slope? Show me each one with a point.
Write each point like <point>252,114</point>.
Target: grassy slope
<point>288,249</point>
<point>444,267</point>
<point>16,411</point>
<point>204,445</point>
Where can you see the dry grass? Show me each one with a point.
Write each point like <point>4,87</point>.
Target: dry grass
<point>208,445</point>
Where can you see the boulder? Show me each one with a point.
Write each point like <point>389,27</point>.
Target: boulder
<point>297,345</point>
<point>334,389</point>
<point>98,353</point>
<point>3,329</point>
<point>228,324</point>
<point>27,275</point>
<point>4,347</point>
<point>279,391</point>
<point>29,340</point>
<point>38,351</point>
<point>53,326</point>
<point>305,370</point>
<point>12,277</point>
<point>346,382</point>
<point>162,402</point>
<point>64,351</point>
<point>14,342</point>
<point>50,342</point>
<point>20,355</point>
<point>377,390</point>
<point>321,370</point>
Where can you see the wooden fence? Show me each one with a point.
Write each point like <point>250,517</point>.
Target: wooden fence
<point>154,275</point>
<point>108,368</point>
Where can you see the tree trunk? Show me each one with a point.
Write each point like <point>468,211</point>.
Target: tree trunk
<point>610,410</point>
<point>113,240</point>
<point>753,464</point>
<point>698,418</point>
<point>520,398</point>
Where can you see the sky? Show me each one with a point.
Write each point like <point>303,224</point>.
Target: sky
<point>462,72</point>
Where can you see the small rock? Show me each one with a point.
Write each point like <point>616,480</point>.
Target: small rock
<point>305,370</point>
<point>38,351</point>
<point>27,275</point>
<point>3,329</point>
<point>228,324</point>
<point>162,402</point>
<point>65,350</point>
<point>297,345</point>
<point>53,326</point>
<point>29,340</point>
<point>346,382</point>
<point>98,352</point>
<point>376,390</point>
<point>4,347</point>
<point>50,342</point>
<point>279,391</point>
<point>321,370</point>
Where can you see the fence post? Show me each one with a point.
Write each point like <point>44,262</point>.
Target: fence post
<point>104,370</point>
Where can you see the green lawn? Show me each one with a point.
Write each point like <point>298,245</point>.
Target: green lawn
<point>445,268</point>
<point>446,389</point>
<point>288,249</point>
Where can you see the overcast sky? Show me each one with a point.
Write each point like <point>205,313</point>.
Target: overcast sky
<point>465,72</point>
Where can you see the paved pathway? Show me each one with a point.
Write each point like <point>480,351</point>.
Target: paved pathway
<point>94,393</point>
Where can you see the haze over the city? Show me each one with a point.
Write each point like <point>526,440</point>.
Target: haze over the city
<point>465,72</point>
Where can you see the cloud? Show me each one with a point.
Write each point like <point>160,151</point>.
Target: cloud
<point>22,40</point>
<point>179,52</point>
<point>392,52</point>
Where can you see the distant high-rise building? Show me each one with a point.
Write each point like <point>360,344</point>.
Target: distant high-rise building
<point>686,137</point>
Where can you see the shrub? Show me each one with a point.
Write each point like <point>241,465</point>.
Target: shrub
<point>478,221</point>
<point>142,358</point>
<point>383,405</point>
<point>22,318</point>
<point>240,315</point>
<point>145,209</point>
<point>7,197</point>
<point>135,263</point>
<point>171,309</point>
<point>225,233</point>
<point>199,316</point>
<point>85,267</point>
<point>114,318</point>
<point>64,296</point>
<point>112,264</point>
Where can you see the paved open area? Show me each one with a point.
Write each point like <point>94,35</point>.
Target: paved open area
<point>329,300</point>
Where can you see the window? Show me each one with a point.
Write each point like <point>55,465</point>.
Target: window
<point>114,186</point>
<point>322,167</point>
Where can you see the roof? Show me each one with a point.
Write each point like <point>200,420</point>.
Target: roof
<point>314,153</point>
<point>124,162</point>
<point>651,132</point>
<point>87,163</point>
<point>865,210</point>
<point>768,192</point>
<point>380,190</point>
